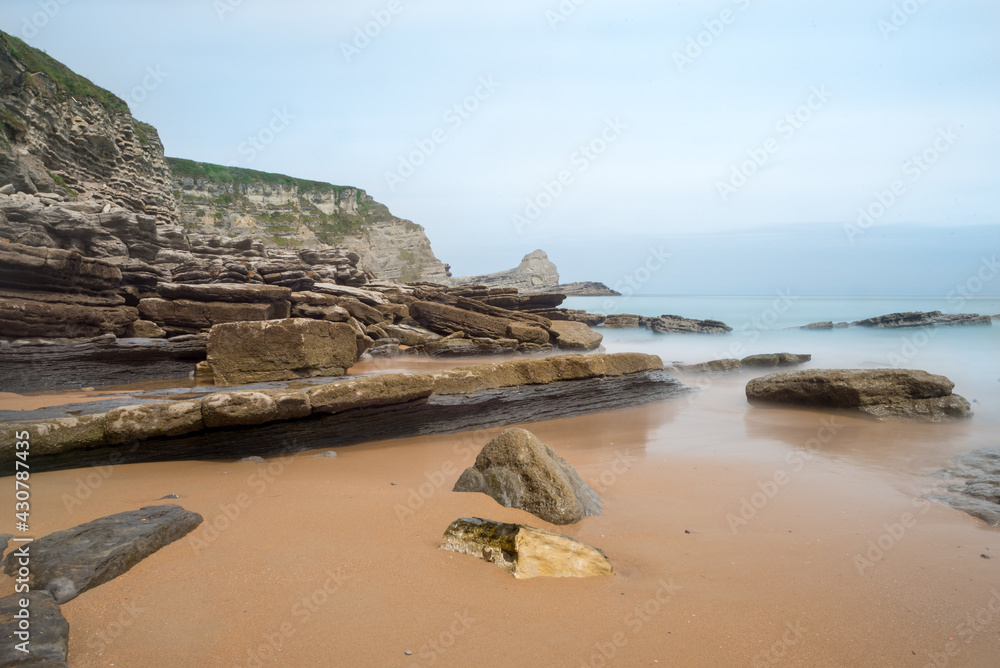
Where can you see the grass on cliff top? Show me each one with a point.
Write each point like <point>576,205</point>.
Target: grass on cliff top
<point>66,80</point>
<point>241,176</point>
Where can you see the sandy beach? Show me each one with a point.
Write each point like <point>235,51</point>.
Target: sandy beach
<point>740,536</point>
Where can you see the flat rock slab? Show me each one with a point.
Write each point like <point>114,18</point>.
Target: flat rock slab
<point>675,324</point>
<point>49,640</point>
<point>497,406</point>
<point>523,551</point>
<point>68,563</point>
<point>519,471</point>
<point>224,292</point>
<point>882,393</point>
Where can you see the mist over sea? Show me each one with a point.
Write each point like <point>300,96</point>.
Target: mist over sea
<point>969,356</point>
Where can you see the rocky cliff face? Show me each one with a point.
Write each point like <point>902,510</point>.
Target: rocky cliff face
<point>289,213</point>
<point>62,134</point>
<point>535,273</point>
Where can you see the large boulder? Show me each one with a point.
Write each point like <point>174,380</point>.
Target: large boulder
<point>572,335</point>
<point>68,563</point>
<point>883,393</point>
<point>519,471</point>
<point>523,551</point>
<point>254,352</point>
<point>21,318</point>
<point>49,631</point>
<point>225,292</point>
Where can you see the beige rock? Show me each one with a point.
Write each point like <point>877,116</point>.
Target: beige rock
<point>169,418</point>
<point>54,436</point>
<point>253,352</point>
<point>572,335</point>
<point>249,407</point>
<point>523,551</point>
<point>145,329</point>
<point>378,390</point>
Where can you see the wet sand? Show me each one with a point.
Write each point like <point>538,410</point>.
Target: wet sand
<point>328,564</point>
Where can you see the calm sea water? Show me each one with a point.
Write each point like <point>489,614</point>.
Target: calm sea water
<point>969,356</point>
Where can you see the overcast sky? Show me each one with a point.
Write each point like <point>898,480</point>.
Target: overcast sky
<point>580,126</point>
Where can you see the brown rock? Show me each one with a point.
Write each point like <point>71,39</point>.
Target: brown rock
<point>378,390</point>
<point>189,316</point>
<point>572,335</point>
<point>248,407</point>
<point>240,293</point>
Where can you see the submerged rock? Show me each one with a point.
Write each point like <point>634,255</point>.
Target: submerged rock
<point>523,551</point>
<point>49,640</point>
<point>622,321</point>
<point>68,563</point>
<point>519,471</point>
<point>975,484</point>
<point>775,359</point>
<point>670,324</point>
<point>883,393</point>
<point>920,319</point>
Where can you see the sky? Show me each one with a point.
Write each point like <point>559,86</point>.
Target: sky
<point>750,139</point>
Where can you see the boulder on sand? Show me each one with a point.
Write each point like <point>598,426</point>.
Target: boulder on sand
<point>523,551</point>
<point>519,471</point>
<point>68,563</point>
<point>883,393</point>
<point>48,628</point>
<point>253,352</point>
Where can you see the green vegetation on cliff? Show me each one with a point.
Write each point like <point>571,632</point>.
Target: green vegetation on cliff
<point>67,82</point>
<point>237,176</point>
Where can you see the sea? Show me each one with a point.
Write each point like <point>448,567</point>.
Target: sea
<point>968,355</point>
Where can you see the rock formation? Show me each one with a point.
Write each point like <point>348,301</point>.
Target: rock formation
<point>68,563</point>
<point>920,319</point>
<point>583,289</point>
<point>523,551</point>
<point>882,393</point>
<point>291,214</point>
<point>535,273</point>
<point>671,324</point>
<point>519,471</point>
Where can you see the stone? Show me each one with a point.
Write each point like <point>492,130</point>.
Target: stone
<point>669,324</point>
<point>774,359</point>
<point>883,393</point>
<point>920,319</point>
<point>49,640</point>
<point>140,421</point>
<point>146,329</point>
<point>974,484</point>
<point>519,471</point>
<point>331,313</point>
<point>475,347</point>
<point>252,460</point>
<point>446,319</point>
<point>70,562</point>
<point>21,318</point>
<point>55,435</point>
<point>191,317</point>
<point>239,293</point>
<point>410,335</point>
<point>622,321</point>
<point>535,272</point>
<point>249,407</point>
<point>523,551</point>
<point>572,335</point>
<point>828,324</point>
<point>367,391</point>
<point>714,366</point>
<point>369,297</point>
<point>584,289</point>
<point>253,352</point>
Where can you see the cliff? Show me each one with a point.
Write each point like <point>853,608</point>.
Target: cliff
<point>289,213</point>
<point>62,134</point>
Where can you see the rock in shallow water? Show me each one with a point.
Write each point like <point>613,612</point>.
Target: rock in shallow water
<point>68,563</point>
<point>523,551</point>
<point>979,493</point>
<point>882,393</point>
<point>572,335</point>
<point>519,471</point>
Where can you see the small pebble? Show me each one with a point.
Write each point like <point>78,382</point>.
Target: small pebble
<point>407,652</point>
<point>686,531</point>
<point>328,454</point>
<point>392,483</point>
<point>168,496</point>
<point>985,556</point>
